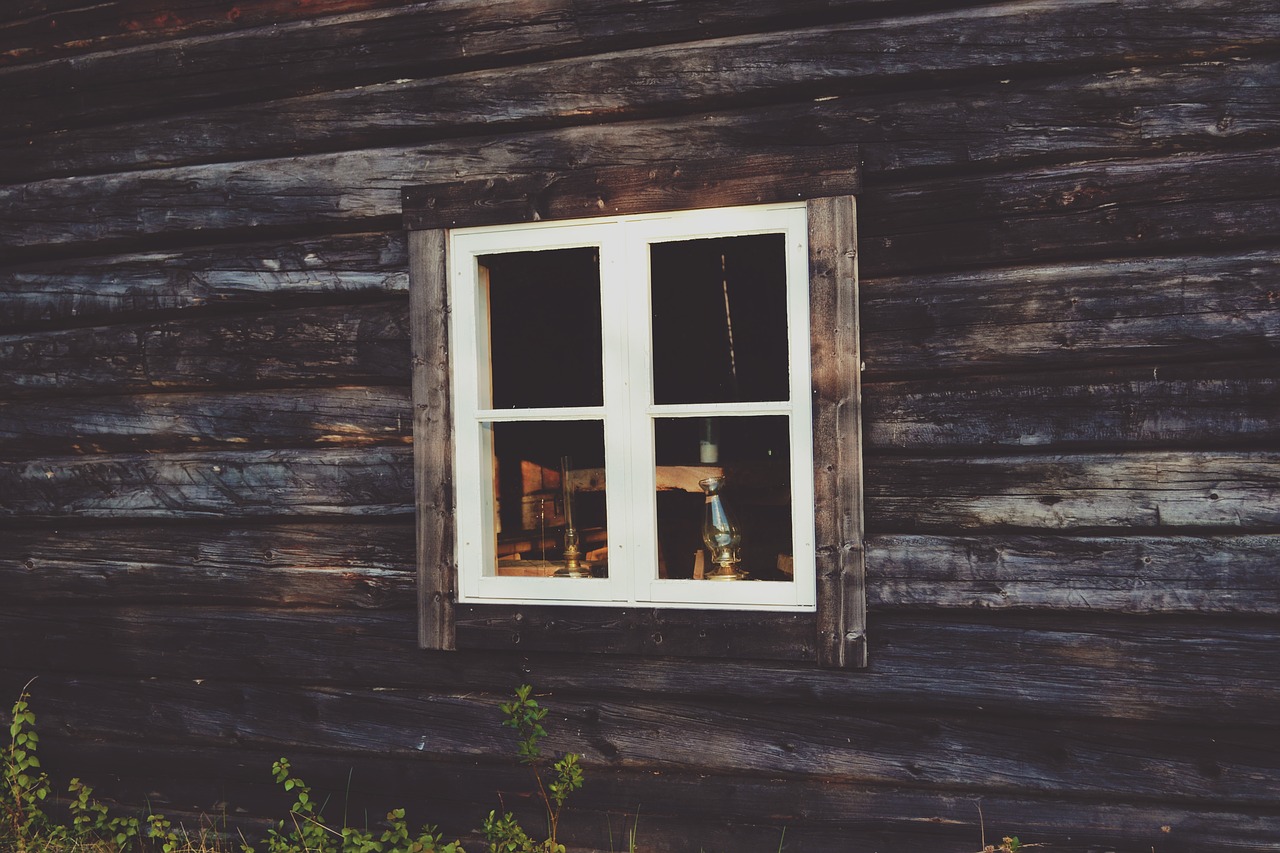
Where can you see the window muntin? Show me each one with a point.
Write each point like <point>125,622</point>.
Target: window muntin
<point>743,256</point>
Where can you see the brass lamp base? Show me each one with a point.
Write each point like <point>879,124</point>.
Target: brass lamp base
<point>726,572</point>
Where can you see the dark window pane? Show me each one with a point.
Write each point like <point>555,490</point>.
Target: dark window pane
<point>535,510</point>
<point>544,328</point>
<point>752,456</point>
<point>719,320</point>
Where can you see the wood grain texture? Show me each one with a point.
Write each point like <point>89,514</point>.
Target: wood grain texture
<point>1046,665</point>
<point>276,274</point>
<point>837,432</point>
<point>1230,763</point>
<point>689,183</point>
<point>429,39</point>
<point>333,345</point>
<point>1144,491</point>
<point>1194,308</point>
<point>370,565</point>
<point>375,481</point>
<point>1077,211</point>
<point>1129,110</point>
<point>339,566</point>
<point>245,420</point>
<point>432,440</point>
<point>1215,404</point>
<point>1144,574</point>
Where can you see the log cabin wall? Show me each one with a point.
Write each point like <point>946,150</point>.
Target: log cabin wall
<point>1070,240</point>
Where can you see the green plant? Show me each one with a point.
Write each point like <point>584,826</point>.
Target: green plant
<point>306,830</point>
<point>504,833</point>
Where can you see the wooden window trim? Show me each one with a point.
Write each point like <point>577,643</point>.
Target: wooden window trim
<point>826,179</point>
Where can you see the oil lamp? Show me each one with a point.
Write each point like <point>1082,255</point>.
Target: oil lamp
<point>720,534</point>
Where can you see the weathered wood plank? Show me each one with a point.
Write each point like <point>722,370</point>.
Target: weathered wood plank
<point>374,481</point>
<point>370,565</point>
<point>1126,111</point>
<point>1226,763</point>
<point>44,30</point>
<point>748,812</point>
<point>436,562</point>
<point>268,274</point>
<point>299,565</point>
<point>835,349</point>
<point>1145,491</point>
<point>1179,574</point>
<point>1041,214</point>
<point>1087,210</point>
<point>1142,491</point>
<point>1214,404</point>
<point>689,183</point>
<point>428,38</point>
<point>1073,665</point>
<point>1187,308</point>
<point>247,420</point>
<point>344,344</point>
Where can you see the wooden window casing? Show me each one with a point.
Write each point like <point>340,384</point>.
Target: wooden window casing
<point>835,634</point>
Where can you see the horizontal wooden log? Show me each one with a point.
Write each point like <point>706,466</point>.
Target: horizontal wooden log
<point>1142,491</point>
<point>1167,491</point>
<point>1180,574</point>
<point>1190,308</point>
<point>54,29</point>
<point>248,420</point>
<point>375,481</point>
<point>368,565</point>
<point>674,807</point>
<point>651,188</point>
<point>271,274</point>
<point>1214,404</point>
<point>1094,209</point>
<point>417,39</point>
<point>309,346</point>
<point>1201,104</point>
<point>1073,665</point>
<point>1223,763</point>
<point>1088,210</point>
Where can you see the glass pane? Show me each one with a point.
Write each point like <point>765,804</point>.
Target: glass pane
<point>549,503</point>
<point>710,468</point>
<point>719,320</point>
<point>544,328</point>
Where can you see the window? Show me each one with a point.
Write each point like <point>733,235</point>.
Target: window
<point>639,432</point>
<point>616,380</point>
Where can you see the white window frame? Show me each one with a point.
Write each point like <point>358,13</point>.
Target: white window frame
<point>627,412</point>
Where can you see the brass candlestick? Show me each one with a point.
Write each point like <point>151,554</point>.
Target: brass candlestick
<point>573,565</point>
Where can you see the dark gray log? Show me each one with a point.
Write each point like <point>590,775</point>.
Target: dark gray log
<point>253,274</point>
<point>1148,309</point>
<point>363,344</point>
<point>428,39</point>
<point>1174,204</point>
<point>1129,111</point>
<point>722,812</point>
<point>1145,491</point>
<point>1224,574</point>
<point>1074,665</point>
<point>1151,205</point>
<point>371,565</point>
<point>1216,404</point>
<point>1225,763</point>
<point>688,183</point>
<point>334,565</point>
<point>375,481</point>
<point>246,420</point>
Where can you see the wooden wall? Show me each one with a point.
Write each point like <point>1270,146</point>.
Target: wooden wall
<point>1070,255</point>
